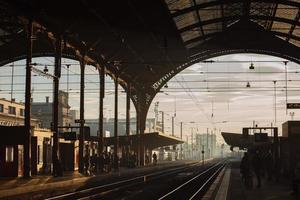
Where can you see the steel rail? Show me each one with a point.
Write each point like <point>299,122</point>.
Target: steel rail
<point>85,193</point>
<point>171,194</point>
<point>206,182</point>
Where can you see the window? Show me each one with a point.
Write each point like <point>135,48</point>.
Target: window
<point>1,108</point>
<point>22,112</point>
<point>40,155</point>
<point>11,110</point>
<point>9,154</point>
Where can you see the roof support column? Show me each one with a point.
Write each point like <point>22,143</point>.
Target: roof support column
<point>57,71</point>
<point>276,152</point>
<point>181,157</point>
<point>81,132</point>
<point>101,98</point>
<point>137,119</point>
<point>142,113</point>
<point>27,149</point>
<point>116,145</point>
<point>128,94</point>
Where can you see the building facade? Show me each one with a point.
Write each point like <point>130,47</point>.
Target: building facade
<point>43,111</point>
<point>108,126</point>
<point>12,114</point>
<point>207,143</point>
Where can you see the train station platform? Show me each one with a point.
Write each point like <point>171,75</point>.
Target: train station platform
<point>231,187</point>
<point>39,187</point>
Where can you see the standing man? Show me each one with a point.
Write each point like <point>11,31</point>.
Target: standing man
<point>257,165</point>
<point>154,156</point>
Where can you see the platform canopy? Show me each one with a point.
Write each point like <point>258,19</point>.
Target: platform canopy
<point>151,140</point>
<point>146,43</point>
<point>244,142</point>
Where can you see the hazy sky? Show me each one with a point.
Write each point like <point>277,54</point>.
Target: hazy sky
<point>212,95</point>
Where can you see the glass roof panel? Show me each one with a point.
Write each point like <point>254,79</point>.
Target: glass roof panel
<point>210,13</point>
<point>288,12</point>
<point>191,34</point>
<point>175,5</point>
<point>281,27</point>
<point>296,31</point>
<point>202,1</point>
<point>231,9</point>
<point>194,44</point>
<point>295,42</point>
<point>212,28</point>
<point>186,20</point>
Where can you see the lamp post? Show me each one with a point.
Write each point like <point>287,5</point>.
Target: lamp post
<point>275,102</point>
<point>162,121</point>
<point>181,139</point>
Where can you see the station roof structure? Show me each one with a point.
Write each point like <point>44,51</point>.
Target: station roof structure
<point>146,43</point>
<point>242,142</point>
<point>151,140</point>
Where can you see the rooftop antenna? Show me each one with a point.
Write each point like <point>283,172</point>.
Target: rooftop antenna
<point>228,108</point>
<point>156,113</point>
<point>12,81</point>
<point>286,100</point>
<point>175,107</point>
<point>68,73</point>
<point>212,109</point>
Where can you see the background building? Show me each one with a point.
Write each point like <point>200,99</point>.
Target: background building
<point>207,143</point>
<point>12,114</point>
<point>43,111</point>
<point>108,126</point>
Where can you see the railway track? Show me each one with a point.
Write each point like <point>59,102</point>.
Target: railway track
<point>111,190</point>
<point>195,187</point>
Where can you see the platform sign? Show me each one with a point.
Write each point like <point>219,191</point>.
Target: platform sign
<point>70,136</point>
<point>261,137</point>
<point>79,121</point>
<point>293,105</point>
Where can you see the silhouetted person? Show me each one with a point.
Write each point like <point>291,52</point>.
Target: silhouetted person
<point>106,161</point>
<point>296,178</point>
<point>245,169</point>
<point>147,159</point>
<point>101,162</point>
<point>154,156</point>
<point>87,160</point>
<point>116,162</point>
<point>109,161</point>
<point>269,165</point>
<point>94,163</point>
<point>257,165</point>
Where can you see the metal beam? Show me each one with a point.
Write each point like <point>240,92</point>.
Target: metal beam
<point>236,17</point>
<point>128,94</point>
<point>27,122</point>
<point>246,8</point>
<point>101,98</point>
<point>81,133</point>
<point>218,2</point>
<point>220,33</point>
<point>293,26</point>
<point>116,142</point>
<point>57,72</point>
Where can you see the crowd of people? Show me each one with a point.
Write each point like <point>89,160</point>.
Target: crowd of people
<point>258,163</point>
<point>105,162</point>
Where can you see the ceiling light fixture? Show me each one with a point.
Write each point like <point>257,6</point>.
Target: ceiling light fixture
<point>251,66</point>
<point>248,85</point>
<point>46,69</point>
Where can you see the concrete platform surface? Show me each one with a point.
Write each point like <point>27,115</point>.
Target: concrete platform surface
<point>269,190</point>
<point>32,188</point>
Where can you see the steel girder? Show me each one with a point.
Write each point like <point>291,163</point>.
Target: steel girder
<point>237,40</point>
<point>224,2</point>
